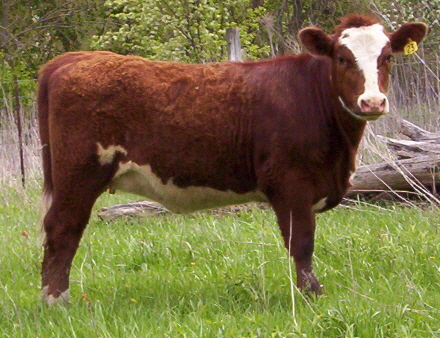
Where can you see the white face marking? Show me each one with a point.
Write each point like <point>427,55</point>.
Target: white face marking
<point>106,155</point>
<point>140,180</point>
<point>366,44</point>
<point>320,205</point>
<point>51,300</point>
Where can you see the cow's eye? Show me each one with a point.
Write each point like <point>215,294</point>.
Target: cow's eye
<point>341,60</point>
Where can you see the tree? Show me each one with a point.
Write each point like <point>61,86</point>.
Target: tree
<point>194,30</point>
<point>186,30</point>
<point>33,31</point>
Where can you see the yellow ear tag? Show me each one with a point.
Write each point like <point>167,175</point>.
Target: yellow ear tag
<point>410,48</point>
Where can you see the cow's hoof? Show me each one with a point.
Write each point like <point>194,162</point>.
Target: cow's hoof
<point>310,284</point>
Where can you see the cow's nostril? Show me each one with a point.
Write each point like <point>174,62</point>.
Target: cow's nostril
<point>364,105</point>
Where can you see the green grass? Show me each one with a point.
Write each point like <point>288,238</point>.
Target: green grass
<point>206,275</point>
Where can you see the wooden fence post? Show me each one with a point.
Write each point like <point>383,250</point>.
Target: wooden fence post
<point>234,45</point>
<point>19,130</point>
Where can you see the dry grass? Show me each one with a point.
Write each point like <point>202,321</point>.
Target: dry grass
<point>10,168</point>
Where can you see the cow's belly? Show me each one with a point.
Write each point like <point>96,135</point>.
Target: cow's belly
<point>140,180</point>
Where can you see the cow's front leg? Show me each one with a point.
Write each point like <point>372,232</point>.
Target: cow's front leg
<point>296,220</point>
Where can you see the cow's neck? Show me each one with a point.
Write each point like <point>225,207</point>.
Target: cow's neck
<point>279,84</point>
<point>352,127</point>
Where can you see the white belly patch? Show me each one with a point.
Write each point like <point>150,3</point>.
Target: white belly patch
<point>320,205</point>
<point>140,180</point>
<point>106,155</point>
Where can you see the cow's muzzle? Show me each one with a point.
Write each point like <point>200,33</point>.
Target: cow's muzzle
<point>372,107</point>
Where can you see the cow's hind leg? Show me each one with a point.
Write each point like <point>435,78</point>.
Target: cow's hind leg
<point>64,223</point>
<point>293,207</point>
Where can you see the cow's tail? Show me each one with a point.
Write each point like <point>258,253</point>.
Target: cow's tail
<point>43,123</point>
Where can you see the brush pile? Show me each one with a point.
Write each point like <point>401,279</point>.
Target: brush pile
<point>411,169</point>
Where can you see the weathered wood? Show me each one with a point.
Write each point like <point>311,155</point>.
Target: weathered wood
<point>416,166</point>
<point>416,133</point>
<point>408,149</point>
<point>401,175</point>
<point>19,130</point>
<point>233,43</point>
<point>141,208</point>
<point>148,208</point>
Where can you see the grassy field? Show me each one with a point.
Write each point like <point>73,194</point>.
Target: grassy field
<point>226,275</point>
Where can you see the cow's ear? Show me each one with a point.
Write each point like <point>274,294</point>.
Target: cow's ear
<point>406,34</point>
<point>316,41</point>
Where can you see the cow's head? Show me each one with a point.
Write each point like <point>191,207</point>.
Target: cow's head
<point>361,51</point>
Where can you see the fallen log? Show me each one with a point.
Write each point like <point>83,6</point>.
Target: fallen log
<point>415,174</point>
<point>149,208</point>
<point>140,208</point>
<point>410,149</point>
<point>413,168</point>
<point>416,133</point>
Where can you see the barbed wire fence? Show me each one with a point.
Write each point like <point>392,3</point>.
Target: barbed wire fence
<point>19,142</point>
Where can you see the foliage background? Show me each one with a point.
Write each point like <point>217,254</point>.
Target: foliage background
<point>33,31</point>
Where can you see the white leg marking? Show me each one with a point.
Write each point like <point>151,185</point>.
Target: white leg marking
<point>352,175</point>
<point>106,155</point>
<point>51,300</point>
<point>320,205</point>
<point>46,202</point>
<point>44,290</point>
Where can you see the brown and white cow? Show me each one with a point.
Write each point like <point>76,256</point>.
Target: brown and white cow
<point>190,137</point>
